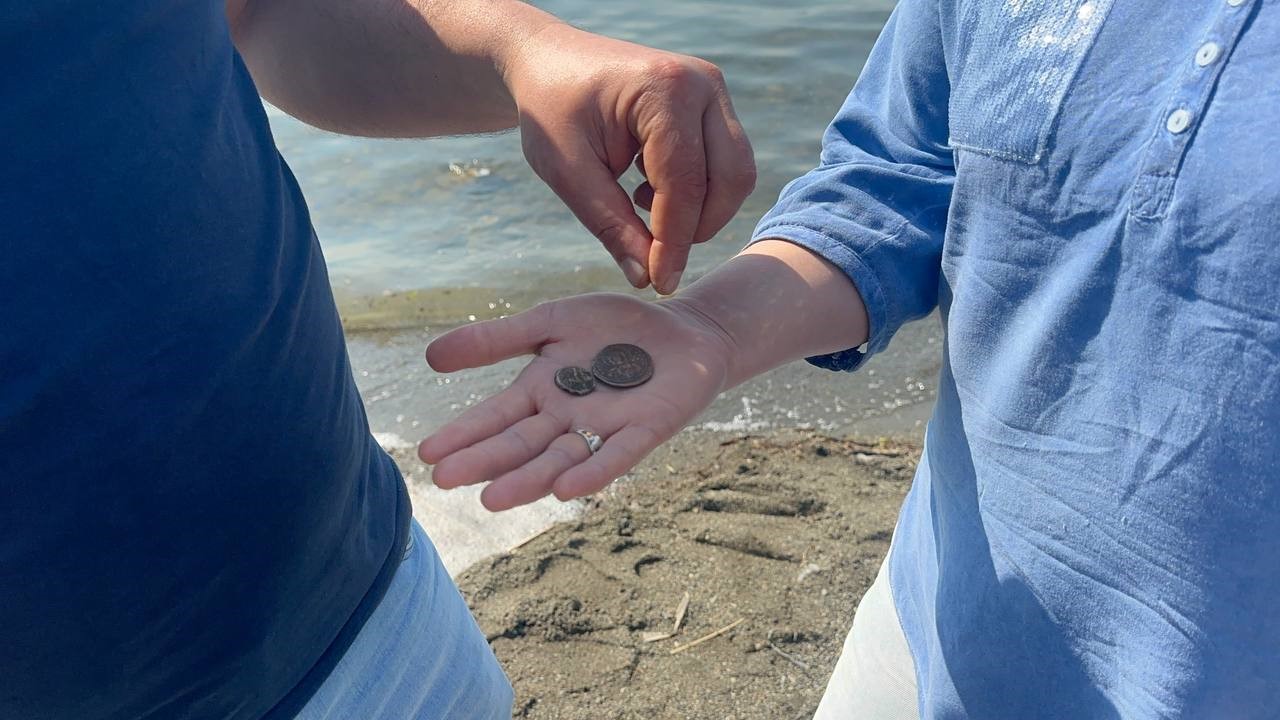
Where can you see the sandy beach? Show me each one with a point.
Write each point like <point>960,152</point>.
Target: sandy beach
<point>423,236</point>
<point>773,537</point>
<point>772,511</point>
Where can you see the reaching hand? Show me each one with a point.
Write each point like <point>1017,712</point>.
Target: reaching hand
<point>522,440</point>
<point>590,106</point>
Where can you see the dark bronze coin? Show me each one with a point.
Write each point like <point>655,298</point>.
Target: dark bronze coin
<point>622,366</point>
<point>575,380</point>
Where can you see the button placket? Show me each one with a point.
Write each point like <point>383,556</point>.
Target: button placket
<point>1179,120</point>
<point>1184,111</point>
<point>1208,53</point>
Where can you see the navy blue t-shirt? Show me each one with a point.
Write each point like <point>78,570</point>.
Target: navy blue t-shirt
<point>194,518</point>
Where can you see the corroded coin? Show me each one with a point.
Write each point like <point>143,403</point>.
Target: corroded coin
<point>575,380</point>
<point>622,365</point>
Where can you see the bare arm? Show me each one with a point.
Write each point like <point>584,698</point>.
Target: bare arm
<point>773,303</point>
<point>778,302</point>
<point>389,68</point>
<point>587,106</point>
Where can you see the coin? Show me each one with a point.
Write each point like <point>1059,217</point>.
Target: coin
<point>575,380</point>
<point>622,365</point>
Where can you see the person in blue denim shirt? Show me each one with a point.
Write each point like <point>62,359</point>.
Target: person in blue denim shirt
<point>1089,193</point>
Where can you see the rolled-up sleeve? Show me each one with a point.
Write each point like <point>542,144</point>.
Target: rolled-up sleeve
<point>876,206</point>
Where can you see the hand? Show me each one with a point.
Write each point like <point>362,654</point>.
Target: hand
<point>521,441</point>
<point>590,106</point>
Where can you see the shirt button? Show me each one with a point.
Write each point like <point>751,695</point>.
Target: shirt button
<point>1179,120</point>
<point>1207,53</point>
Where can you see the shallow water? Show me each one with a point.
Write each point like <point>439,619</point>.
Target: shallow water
<point>446,214</point>
<point>421,236</point>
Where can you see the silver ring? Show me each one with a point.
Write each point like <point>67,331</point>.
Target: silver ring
<point>594,441</point>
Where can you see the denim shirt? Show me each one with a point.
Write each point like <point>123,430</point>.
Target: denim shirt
<point>1089,191</point>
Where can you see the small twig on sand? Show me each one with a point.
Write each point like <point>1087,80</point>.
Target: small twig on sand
<point>680,611</point>
<point>675,628</point>
<point>710,636</point>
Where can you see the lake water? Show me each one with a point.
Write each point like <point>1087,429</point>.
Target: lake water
<point>467,212</point>
<point>424,235</point>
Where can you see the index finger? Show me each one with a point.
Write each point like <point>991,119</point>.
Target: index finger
<point>490,341</point>
<point>731,168</point>
<point>675,161</point>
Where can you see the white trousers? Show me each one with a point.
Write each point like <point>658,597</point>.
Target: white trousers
<point>874,678</point>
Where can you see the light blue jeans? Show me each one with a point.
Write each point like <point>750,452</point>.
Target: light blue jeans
<point>420,656</point>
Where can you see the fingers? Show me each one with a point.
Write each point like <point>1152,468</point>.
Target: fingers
<point>534,480</point>
<point>731,169</point>
<point>491,341</point>
<point>482,421</point>
<point>643,194</point>
<point>619,454</point>
<point>498,454</point>
<point>675,162</point>
<point>731,172</point>
<point>590,189</point>
<point>609,216</point>
<point>699,166</point>
<point>568,468</point>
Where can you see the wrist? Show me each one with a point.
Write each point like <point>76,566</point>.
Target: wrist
<point>774,303</point>
<point>704,317</point>
<point>527,30</point>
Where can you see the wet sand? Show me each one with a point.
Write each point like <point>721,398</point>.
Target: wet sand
<point>774,536</point>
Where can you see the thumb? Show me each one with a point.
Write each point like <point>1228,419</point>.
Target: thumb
<point>491,341</point>
<point>591,191</point>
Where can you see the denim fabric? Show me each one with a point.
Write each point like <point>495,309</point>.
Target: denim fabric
<point>420,655</point>
<point>1089,192</point>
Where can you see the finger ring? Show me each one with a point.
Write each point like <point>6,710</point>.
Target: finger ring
<point>593,440</point>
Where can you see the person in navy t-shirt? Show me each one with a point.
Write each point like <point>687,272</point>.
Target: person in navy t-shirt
<point>194,519</point>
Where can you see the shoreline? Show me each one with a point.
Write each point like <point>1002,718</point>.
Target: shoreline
<point>891,397</point>
<point>774,536</point>
<point>465,533</point>
<point>773,511</point>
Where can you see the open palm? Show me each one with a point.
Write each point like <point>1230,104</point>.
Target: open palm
<point>522,440</point>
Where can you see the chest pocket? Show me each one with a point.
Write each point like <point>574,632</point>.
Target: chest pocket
<point>1015,61</point>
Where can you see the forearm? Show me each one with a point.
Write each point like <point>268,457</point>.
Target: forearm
<point>387,68</point>
<point>777,302</point>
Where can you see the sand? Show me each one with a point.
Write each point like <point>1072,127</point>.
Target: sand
<point>774,537</point>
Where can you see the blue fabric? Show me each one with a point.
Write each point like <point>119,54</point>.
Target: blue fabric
<point>1094,528</point>
<point>419,657</point>
<point>194,519</point>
